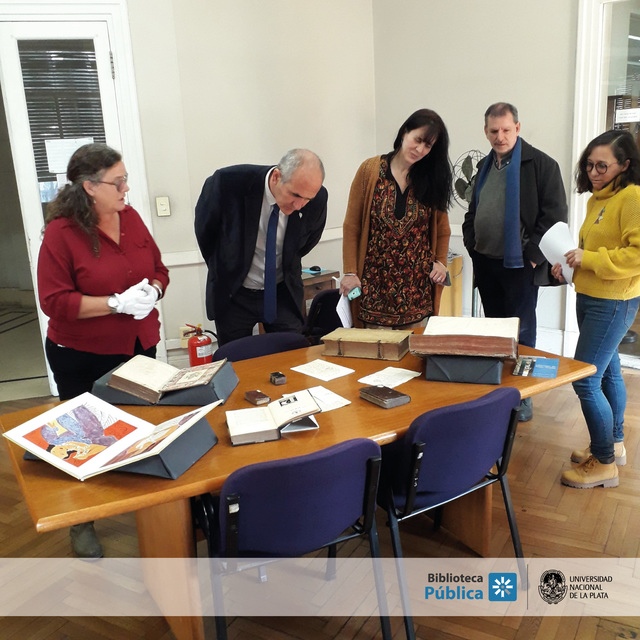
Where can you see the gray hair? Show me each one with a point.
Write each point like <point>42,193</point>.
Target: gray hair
<point>500,109</point>
<point>296,158</point>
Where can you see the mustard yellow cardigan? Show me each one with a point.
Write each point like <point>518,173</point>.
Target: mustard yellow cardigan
<point>610,237</point>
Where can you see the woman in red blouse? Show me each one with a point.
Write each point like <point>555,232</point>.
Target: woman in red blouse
<point>100,275</point>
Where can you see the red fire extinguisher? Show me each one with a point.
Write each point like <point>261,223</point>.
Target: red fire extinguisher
<point>200,345</point>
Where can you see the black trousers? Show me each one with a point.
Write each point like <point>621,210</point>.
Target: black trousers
<point>76,371</point>
<point>245,309</point>
<point>507,293</point>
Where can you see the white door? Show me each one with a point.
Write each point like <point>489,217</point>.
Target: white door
<point>57,81</point>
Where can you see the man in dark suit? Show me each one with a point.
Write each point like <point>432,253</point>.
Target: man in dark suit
<point>244,210</point>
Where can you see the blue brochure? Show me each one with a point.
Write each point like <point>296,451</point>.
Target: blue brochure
<point>536,367</point>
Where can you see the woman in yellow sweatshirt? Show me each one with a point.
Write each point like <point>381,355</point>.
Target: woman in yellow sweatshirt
<point>607,280</point>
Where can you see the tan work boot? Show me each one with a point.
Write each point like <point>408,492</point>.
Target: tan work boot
<point>620,452</point>
<point>591,473</point>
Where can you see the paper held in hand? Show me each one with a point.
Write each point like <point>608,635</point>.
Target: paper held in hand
<point>262,424</point>
<point>555,243</point>
<point>150,379</point>
<point>87,436</point>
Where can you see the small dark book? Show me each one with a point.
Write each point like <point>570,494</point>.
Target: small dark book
<point>384,397</point>
<point>255,396</point>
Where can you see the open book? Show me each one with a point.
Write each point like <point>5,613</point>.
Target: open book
<point>149,379</point>
<point>86,436</point>
<point>489,337</point>
<point>261,424</point>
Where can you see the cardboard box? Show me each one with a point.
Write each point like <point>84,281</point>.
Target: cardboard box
<point>219,388</point>
<point>377,344</point>
<point>472,369</point>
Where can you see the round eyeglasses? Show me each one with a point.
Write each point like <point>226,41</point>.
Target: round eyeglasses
<point>119,184</point>
<point>600,167</point>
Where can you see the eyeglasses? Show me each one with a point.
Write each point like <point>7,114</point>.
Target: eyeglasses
<point>601,167</point>
<point>119,184</point>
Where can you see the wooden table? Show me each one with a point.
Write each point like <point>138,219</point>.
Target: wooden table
<point>56,500</point>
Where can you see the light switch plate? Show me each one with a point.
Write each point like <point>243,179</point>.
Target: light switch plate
<point>162,206</point>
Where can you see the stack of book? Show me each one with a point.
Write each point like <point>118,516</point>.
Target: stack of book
<point>467,349</point>
<point>288,414</point>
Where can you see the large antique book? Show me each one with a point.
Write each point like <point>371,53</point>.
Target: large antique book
<point>86,436</point>
<point>150,379</point>
<point>262,424</point>
<point>488,337</point>
<point>380,344</point>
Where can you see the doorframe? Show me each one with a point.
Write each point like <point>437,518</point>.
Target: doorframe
<point>589,119</point>
<point>115,14</point>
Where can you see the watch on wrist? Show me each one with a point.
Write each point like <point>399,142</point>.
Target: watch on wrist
<point>158,288</point>
<point>112,303</point>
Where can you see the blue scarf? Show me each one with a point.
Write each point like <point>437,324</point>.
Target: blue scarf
<point>512,244</point>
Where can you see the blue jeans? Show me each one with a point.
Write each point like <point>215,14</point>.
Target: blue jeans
<point>603,396</point>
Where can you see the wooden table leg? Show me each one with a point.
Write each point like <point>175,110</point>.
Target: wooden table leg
<point>469,520</point>
<point>165,531</point>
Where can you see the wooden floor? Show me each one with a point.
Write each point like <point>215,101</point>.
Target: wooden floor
<point>554,521</point>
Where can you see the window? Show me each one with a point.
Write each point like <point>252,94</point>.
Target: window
<point>63,98</point>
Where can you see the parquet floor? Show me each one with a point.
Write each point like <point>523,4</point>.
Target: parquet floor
<point>554,521</point>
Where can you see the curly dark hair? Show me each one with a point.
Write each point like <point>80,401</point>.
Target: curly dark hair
<point>431,177</point>
<point>88,162</point>
<point>623,146</point>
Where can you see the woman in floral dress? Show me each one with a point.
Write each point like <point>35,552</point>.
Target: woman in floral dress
<point>396,229</point>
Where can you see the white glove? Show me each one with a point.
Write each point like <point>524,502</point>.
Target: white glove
<point>150,290</point>
<point>135,301</point>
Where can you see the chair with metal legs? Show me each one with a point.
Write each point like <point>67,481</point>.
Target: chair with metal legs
<point>448,453</point>
<point>292,507</point>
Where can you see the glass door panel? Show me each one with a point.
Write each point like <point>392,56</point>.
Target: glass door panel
<point>62,96</point>
<point>623,61</point>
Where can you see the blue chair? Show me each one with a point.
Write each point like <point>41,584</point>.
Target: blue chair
<point>446,454</point>
<point>291,507</point>
<point>262,344</point>
<point>322,317</point>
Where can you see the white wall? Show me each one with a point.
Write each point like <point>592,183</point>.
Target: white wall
<point>221,83</point>
<point>459,57</point>
<point>228,82</point>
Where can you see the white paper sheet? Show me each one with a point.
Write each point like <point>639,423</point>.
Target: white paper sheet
<point>390,377</point>
<point>60,150</point>
<point>323,370</point>
<point>555,243</point>
<point>326,399</point>
<point>343,310</point>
